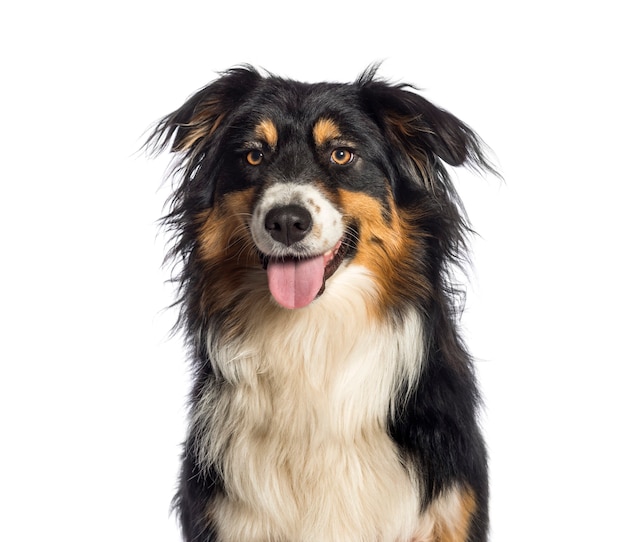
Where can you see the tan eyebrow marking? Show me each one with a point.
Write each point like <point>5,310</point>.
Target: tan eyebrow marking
<point>266,131</point>
<point>325,130</point>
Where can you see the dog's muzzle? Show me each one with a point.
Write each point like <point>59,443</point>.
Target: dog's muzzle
<point>300,237</point>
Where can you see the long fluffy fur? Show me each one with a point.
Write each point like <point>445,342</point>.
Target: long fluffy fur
<point>353,418</point>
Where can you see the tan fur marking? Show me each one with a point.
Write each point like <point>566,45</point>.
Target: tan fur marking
<point>226,248</point>
<point>453,514</point>
<point>206,119</point>
<point>384,245</point>
<point>325,130</point>
<point>266,131</point>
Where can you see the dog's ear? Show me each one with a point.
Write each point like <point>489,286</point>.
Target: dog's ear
<point>200,118</point>
<point>421,131</point>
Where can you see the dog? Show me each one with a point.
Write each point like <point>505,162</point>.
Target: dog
<point>316,228</point>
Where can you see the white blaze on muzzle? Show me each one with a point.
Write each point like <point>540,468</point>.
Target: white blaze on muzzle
<point>297,265</point>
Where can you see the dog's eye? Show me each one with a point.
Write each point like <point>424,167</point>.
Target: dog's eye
<point>254,157</point>
<point>341,157</point>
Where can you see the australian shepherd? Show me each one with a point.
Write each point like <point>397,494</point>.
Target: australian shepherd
<point>316,227</point>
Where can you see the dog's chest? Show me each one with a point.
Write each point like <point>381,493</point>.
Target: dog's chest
<point>310,469</point>
<point>300,431</point>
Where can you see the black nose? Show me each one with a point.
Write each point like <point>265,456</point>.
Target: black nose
<point>288,224</point>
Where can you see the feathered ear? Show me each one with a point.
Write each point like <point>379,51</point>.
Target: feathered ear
<point>423,132</point>
<point>195,124</point>
<point>194,132</point>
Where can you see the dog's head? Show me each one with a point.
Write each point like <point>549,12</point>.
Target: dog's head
<point>297,182</point>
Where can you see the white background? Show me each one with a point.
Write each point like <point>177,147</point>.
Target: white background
<point>92,391</point>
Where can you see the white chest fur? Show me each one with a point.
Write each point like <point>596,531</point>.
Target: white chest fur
<point>298,428</point>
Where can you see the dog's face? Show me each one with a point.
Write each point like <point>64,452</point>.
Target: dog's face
<point>296,182</point>
<point>308,173</point>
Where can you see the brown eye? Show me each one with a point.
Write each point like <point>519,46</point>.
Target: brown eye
<point>341,157</point>
<point>254,157</point>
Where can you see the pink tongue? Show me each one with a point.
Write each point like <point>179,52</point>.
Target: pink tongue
<point>295,283</point>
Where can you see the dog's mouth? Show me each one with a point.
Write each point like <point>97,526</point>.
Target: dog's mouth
<point>296,282</point>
